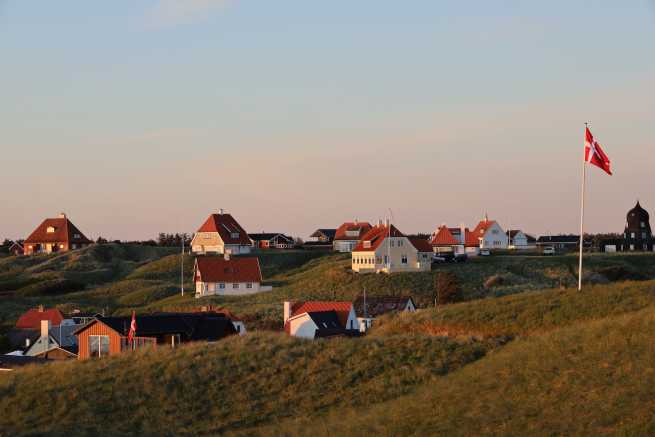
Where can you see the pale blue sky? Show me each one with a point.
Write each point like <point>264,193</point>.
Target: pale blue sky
<point>136,117</point>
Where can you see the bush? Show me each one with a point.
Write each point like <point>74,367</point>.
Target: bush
<point>446,287</point>
<point>493,281</point>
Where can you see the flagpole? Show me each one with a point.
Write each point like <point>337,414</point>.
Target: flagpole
<point>582,196</point>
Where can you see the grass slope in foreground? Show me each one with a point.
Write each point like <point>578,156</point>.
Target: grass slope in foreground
<point>588,371</point>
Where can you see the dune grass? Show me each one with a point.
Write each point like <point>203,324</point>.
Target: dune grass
<point>590,378</point>
<point>212,388</point>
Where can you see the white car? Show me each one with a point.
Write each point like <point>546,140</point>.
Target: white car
<point>485,252</point>
<point>548,251</point>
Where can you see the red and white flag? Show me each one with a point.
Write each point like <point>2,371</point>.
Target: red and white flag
<point>593,153</point>
<point>130,335</point>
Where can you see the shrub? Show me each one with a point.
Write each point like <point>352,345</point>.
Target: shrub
<point>446,288</point>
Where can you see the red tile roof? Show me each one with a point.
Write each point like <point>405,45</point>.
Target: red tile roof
<point>64,232</point>
<point>374,238</point>
<point>472,240</point>
<point>341,308</point>
<point>482,227</point>
<point>421,245</point>
<point>444,237</point>
<point>218,269</point>
<point>225,225</point>
<point>32,318</point>
<point>361,228</point>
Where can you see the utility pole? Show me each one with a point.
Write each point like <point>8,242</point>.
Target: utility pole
<point>182,266</point>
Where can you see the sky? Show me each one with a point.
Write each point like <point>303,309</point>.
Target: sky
<point>140,117</point>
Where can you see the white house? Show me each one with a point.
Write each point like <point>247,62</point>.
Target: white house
<point>221,234</point>
<point>226,276</point>
<point>368,309</point>
<point>348,235</point>
<point>490,235</point>
<point>520,240</point>
<point>320,319</point>
<point>56,343</point>
<point>385,249</point>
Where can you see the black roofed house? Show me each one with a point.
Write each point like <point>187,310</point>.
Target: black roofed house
<point>11,362</point>
<point>369,308</point>
<point>321,239</point>
<point>561,243</point>
<point>267,240</point>
<point>109,335</point>
<point>520,240</point>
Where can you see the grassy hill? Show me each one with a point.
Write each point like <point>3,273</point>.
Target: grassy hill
<point>120,278</point>
<point>544,362</point>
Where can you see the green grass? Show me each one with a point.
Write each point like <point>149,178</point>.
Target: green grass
<point>538,363</point>
<point>593,378</point>
<point>212,388</point>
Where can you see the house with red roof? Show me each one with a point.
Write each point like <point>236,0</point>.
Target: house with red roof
<point>385,249</point>
<point>227,276</point>
<point>31,319</point>
<point>221,233</point>
<point>490,235</point>
<point>348,235</point>
<point>55,235</point>
<point>455,240</point>
<point>320,319</point>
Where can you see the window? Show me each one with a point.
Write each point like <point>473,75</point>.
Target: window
<point>386,259</point>
<point>643,225</point>
<point>78,236</point>
<point>391,243</point>
<point>632,234</point>
<point>51,229</point>
<point>234,235</point>
<point>494,231</point>
<point>403,259</point>
<point>98,345</point>
<point>249,285</point>
<point>221,285</point>
<point>235,285</point>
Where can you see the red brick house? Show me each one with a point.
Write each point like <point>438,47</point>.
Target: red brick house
<point>55,235</point>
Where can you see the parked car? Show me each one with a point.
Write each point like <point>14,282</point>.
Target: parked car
<point>485,252</point>
<point>444,257</point>
<point>548,250</point>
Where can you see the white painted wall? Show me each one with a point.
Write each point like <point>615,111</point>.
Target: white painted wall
<point>395,248</point>
<point>230,288</point>
<point>494,238</point>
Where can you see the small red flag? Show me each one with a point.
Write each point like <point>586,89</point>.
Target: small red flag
<point>593,153</point>
<point>130,335</point>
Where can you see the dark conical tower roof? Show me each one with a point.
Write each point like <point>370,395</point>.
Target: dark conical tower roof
<point>637,213</point>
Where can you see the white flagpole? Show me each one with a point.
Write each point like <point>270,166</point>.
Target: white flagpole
<point>582,196</point>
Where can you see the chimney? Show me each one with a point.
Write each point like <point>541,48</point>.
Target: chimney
<point>356,220</point>
<point>62,215</point>
<point>287,310</point>
<point>221,211</point>
<point>387,222</point>
<point>40,308</point>
<point>379,222</point>
<point>45,328</point>
<point>462,235</point>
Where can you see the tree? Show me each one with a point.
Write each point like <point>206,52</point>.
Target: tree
<point>446,288</point>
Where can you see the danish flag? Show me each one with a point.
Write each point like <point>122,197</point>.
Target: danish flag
<point>593,153</point>
<point>130,335</point>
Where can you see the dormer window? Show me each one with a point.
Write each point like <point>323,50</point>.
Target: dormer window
<point>51,230</point>
<point>367,244</point>
<point>234,235</point>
